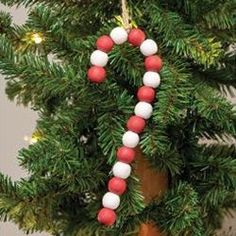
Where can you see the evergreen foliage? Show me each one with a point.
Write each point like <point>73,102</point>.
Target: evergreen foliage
<point>81,124</point>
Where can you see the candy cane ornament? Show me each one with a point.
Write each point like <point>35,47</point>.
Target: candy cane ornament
<point>142,111</point>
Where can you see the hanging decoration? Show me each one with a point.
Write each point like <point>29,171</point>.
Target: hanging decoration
<point>142,111</point>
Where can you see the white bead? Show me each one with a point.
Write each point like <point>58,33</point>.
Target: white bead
<point>111,201</point>
<point>99,58</point>
<point>130,139</point>
<point>148,47</point>
<point>143,109</point>
<point>121,170</point>
<point>151,79</point>
<point>119,35</point>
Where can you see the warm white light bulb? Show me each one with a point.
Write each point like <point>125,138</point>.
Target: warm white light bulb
<point>33,140</point>
<point>26,138</point>
<point>37,38</point>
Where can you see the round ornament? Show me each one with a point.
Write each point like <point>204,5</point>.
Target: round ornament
<point>111,201</point>
<point>99,58</point>
<point>105,43</point>
<point>117,185</point>
<point>136,124</point>
<point>106,217</point>
<point>136,37</point>
<point>119,35</point>
<point>151,79</point>
<point>130,139</point>
<point>121,170</point>
<point>146,94</point>
<point>148,47</point>
<point>153,63</point>
<point>143,109</point>
<point>125,154</point>
<point>96,74</point>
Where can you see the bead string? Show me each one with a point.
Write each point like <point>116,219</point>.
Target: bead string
<point>142,111</point>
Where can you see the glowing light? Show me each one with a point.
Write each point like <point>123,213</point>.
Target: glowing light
<point>31,140</point>
<point>26,138</point>
<point>37,38</point>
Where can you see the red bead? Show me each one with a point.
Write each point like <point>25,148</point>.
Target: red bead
<point>136,37</point>
<point>153,63</point>
<point>136,124</point>
<point>96,74</point>
<point>105,43</point>
<point>125,154</point>
<point>107,216</point>
<point>146,94</point>
<point>117,185</point>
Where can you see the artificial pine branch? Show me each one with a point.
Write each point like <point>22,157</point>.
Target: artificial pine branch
<point>81,124</point>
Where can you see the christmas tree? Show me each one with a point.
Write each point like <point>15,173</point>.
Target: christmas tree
<point>81,124</point>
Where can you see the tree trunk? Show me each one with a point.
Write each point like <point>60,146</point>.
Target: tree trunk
<point>153,184</point>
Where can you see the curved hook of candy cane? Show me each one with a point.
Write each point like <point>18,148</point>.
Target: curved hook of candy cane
<point>142,111</point>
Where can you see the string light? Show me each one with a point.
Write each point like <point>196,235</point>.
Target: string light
<point>31,140</point>
<point>37,38</point>
<point>34,140</point>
